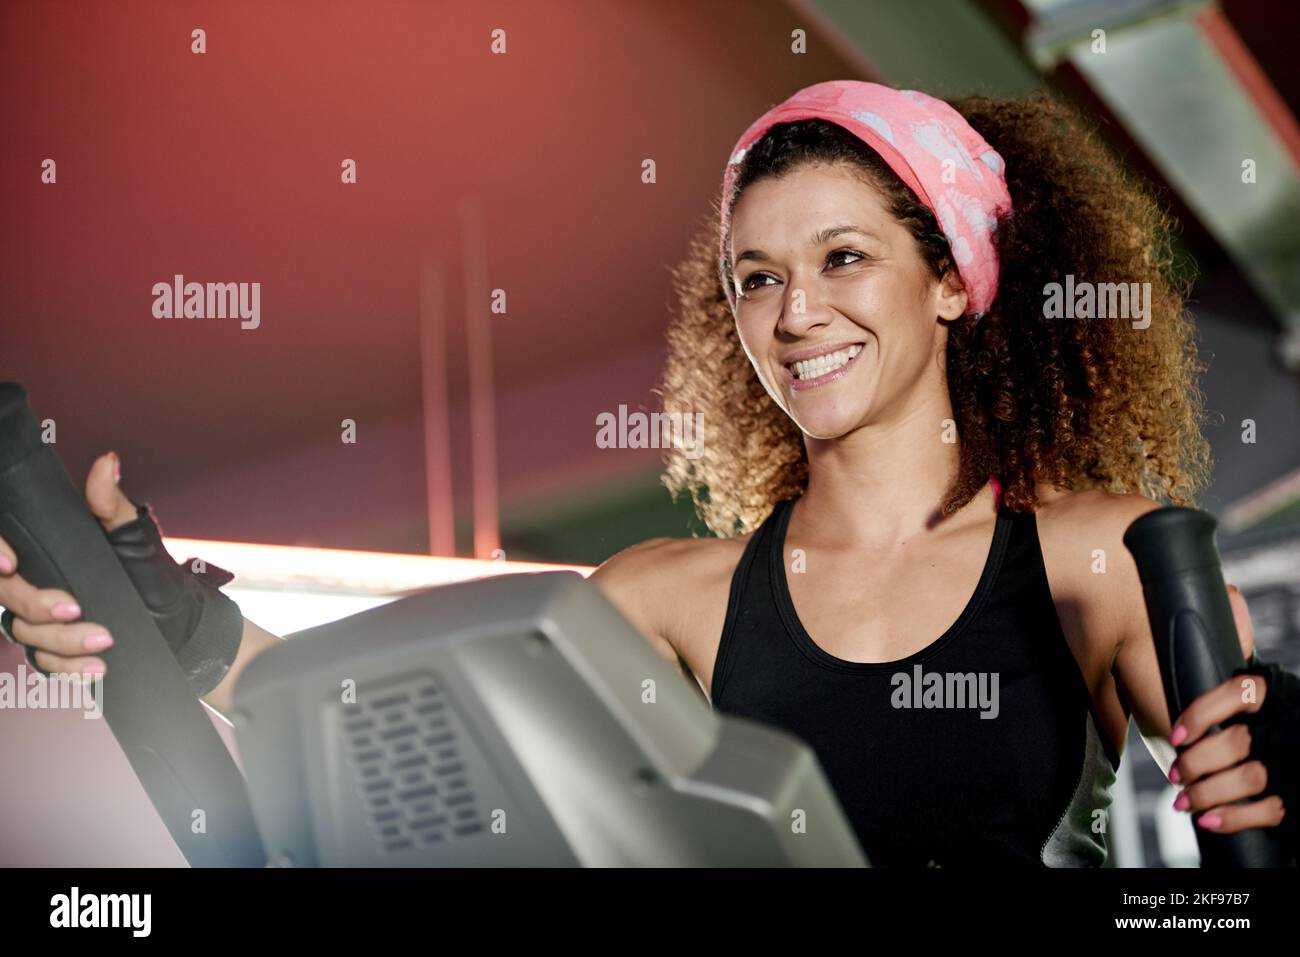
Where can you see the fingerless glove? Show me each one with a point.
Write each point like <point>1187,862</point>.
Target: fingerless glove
<point>1275,739</point>
<point>203,626</point>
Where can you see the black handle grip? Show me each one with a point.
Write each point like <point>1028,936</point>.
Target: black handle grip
<point>149,705</point>
<point>1196,644</point>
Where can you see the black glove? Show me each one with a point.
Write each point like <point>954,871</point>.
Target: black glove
<point>1275,739</point>
<point>202,625</point>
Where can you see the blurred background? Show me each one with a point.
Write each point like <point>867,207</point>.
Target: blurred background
<point>522,172</point>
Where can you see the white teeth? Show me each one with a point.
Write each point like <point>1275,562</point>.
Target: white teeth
<point>812,368</point>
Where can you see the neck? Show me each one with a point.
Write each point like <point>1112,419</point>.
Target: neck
<point>883,483</point>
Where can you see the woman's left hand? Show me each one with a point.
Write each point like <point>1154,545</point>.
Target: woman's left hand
<point>1216,769</point>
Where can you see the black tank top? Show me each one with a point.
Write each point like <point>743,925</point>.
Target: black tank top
<point>923,776</point>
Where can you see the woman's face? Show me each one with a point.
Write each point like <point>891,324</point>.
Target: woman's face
<point>835,307</point>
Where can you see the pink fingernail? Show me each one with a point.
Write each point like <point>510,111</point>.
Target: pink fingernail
<point>1180,733</point>
<point>117,469</point>
<point>1182,803</point>
<point>1210,821</point>
<point>1174,776</point>
<point>98,641</point>
<point>66,609</point>
<point>94,668</point>
<point>6,565</point>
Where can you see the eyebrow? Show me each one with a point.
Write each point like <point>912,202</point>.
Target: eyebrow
<point>817,239</point>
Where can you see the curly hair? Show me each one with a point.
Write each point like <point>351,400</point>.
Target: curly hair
<point>1091,403</point>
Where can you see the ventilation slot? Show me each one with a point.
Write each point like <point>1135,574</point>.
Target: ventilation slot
<point>404,744</point>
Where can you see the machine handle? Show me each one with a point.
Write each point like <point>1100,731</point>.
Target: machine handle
<point>1196,644</point>
<point>148,703</point>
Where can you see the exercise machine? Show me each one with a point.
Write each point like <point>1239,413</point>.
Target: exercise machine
<point>517,720</point>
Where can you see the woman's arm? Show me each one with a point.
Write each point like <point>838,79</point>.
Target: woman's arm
<point>1136,669</point>
<point>255,641</point>
<point>628,579</point>
<point>1137,677</point>
<point>1095,583</point>
<point>1214,770</point>
<point>624,579</point>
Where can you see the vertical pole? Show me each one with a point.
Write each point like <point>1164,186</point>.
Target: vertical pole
<point>482,412</point>
<point>433,389</point>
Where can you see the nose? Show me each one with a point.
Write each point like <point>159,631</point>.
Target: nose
<point>803,309</point>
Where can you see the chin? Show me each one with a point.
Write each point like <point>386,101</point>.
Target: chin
<point>829,424</point>
<point>831,414</point>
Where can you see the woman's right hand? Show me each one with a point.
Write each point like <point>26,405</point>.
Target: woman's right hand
<point>47,619</point>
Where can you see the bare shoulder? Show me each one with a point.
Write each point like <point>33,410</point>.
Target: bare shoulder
<point>664,584</point>
<point>644,564</point>
<point>1085,531</point>
<point>1090,514</point>
<point>1081,534</point>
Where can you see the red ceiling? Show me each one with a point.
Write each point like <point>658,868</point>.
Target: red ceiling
<point>225,167</point>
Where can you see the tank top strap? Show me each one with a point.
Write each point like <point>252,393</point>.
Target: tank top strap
<point>751,589</point>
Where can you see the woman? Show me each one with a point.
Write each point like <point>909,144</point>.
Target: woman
<point>919,482</point>
<point>865,362</point>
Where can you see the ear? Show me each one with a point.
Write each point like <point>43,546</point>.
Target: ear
<point>951,296</point>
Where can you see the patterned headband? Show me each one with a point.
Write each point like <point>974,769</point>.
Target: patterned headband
<point>931,147</point>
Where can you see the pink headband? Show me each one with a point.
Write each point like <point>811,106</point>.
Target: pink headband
<point>931,147</point>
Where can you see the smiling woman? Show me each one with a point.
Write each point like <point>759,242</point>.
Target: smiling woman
<point>1080,403</point>
<point>918,478</point>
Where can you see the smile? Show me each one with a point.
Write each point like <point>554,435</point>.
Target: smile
<point>809,373</point>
